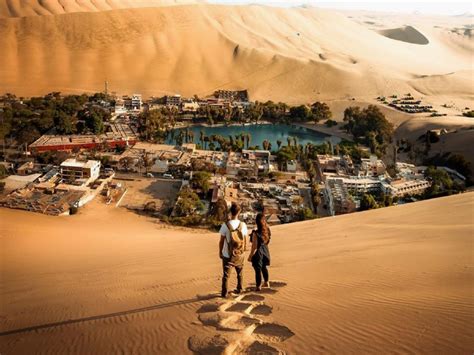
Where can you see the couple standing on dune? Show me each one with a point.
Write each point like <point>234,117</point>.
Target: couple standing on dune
<point>232,246</point>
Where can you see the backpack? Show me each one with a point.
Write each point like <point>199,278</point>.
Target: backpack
<point>236,242</point>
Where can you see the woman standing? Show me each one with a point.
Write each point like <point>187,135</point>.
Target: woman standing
<point>259,254</point>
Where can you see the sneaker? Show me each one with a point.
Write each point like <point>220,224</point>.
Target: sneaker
<point>266,284</point>
<point>258,289</point>
<point>237,291</point>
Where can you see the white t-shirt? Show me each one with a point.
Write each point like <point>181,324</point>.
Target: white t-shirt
<point>225,232</point>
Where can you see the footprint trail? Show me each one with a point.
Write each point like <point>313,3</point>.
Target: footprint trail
<point>241,324</point>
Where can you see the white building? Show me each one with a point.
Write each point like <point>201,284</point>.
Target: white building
<point>190,106</point>
<point>160,166</point>
<point>136,103</point>
<point>372,166</point>
<point>82,172</point>
<point>120,108</point>
<point>407,187</point>
<point>362,185</point>
<point>291,166</point>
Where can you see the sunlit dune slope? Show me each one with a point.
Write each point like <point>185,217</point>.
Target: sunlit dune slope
<point>393,280</point>
<point>292,55</point>
<point>23,8</point>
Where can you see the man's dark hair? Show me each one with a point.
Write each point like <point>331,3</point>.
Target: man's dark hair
<point>234,209</point>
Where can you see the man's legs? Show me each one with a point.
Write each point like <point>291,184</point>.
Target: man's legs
<point>226,268</point>
<point>240,277</point>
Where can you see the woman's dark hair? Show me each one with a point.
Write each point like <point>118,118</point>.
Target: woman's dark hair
<point>262,227</point>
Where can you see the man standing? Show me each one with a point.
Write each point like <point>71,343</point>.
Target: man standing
<point>231,249</point>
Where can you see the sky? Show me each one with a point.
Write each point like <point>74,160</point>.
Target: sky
<point>405,6</point>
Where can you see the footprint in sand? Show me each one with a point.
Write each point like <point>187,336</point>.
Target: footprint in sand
<point>253,298</point>
<point>260,348</point>
<point>272,332</point>
<point>261,310</point>
<point>245,331</point>
<point>208,345</point>
<point>239,307</point>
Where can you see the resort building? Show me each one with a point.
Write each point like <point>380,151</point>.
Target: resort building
<point>136,102</point>
<point>173,101</point>
<point>403,187</point>
<point>333,164</point>
<point>189,106</point>
<point>79,172</point>
<point>372,167</point>
<point>118,135</point>
<point>339,200</point>
<point>232,95</point>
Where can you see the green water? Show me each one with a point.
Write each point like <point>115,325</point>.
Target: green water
<point>259,133</point>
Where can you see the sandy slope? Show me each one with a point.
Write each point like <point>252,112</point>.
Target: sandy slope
<point>294,55</point>
<point>395,280</point>
<point>22,8</point>
<point>407,34</point>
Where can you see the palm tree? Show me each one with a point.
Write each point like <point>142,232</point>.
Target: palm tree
<point>201,136</point>
<point>289,141</point>
<point>265,144</point>
<point>279,144</point>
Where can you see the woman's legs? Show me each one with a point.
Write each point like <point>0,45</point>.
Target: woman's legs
<point>258,275</point>
<point>265,274</point>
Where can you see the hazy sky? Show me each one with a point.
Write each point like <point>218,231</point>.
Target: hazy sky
<point>425,7</point>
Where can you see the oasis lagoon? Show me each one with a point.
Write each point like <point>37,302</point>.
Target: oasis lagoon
<point>258,133</point>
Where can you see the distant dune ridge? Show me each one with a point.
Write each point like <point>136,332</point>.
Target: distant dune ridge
<point>407,34</point>
<point>292,55</point>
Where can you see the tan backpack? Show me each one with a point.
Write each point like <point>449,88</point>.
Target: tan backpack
<point>236,242</point>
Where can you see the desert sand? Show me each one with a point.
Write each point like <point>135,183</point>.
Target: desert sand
<point>295,55</point>
<point>394,280</point>
<point>283,54</point>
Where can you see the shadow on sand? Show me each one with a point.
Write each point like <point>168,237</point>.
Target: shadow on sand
<point>198,298</point>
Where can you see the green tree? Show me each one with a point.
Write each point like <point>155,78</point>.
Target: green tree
<point>154,125</point>
<point>284,155</point>
<point>300,113</point>
<point>201,180</point>
<point>321,111</point>
<point>304,213</point>
<point>368,202</point>
<point>65,124</point>
<point>188,203</point>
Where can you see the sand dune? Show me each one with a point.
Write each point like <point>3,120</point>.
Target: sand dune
<point>407,34</point>
<point>22,8</point>
<point>293,55</point>
<point>395,280</point>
